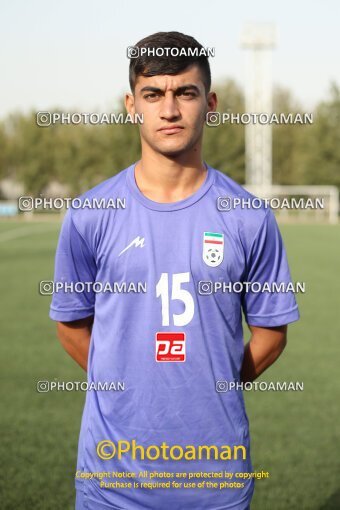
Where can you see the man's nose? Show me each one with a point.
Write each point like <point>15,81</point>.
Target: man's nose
<point>169,109</point>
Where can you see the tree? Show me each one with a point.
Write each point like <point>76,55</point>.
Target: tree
<point>320,157</point>
<point>223,146</point>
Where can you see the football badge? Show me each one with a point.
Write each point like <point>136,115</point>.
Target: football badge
<point>213,247</point>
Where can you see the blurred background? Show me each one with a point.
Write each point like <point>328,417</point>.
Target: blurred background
<point>68,57</point>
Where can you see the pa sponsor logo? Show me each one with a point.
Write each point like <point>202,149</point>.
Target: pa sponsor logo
<point>170,346</point>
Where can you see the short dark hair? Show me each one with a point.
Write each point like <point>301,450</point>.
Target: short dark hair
<point>152,65</point>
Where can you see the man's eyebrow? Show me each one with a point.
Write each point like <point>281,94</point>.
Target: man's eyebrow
<point>183,88</point>
<point>150,89</point>
<point>190,86</point>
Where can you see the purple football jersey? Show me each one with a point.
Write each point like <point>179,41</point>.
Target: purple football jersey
<point>168,327</point>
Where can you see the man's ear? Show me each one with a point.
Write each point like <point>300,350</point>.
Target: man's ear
<point>130,104</point>
<point>212,101</point>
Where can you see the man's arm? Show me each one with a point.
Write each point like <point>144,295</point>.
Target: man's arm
<point>263,348</point>
<point>75,338</point>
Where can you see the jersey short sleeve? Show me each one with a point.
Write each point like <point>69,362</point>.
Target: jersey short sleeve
<point>75,268</point>
<point>267,264</point>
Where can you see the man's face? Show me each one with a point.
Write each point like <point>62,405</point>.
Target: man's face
<point>174,109</point>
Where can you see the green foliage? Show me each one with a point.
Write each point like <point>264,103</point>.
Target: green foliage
<point>307,154</point>
<point>322,148</point>
<point>3,151</point>
<point>223,146</point>
<point>32,152</point>
<point>287,139</point>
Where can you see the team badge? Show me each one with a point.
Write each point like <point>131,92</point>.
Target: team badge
<point>213,247</point>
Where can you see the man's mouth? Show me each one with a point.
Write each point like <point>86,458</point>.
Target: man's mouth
<point>170,130</point>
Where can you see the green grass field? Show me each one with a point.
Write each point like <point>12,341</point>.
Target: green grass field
<point>295,435</point>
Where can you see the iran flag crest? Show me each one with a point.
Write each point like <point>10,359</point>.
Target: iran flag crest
<point>213,247</point>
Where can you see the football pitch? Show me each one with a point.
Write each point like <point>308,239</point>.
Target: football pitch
<point>295,434</point>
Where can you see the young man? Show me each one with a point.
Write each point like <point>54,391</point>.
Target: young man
<point>172,343</point>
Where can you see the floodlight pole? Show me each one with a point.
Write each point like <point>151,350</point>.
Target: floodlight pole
<point>258,40</point>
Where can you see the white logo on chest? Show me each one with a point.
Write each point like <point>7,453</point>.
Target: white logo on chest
<point>137,242</point>
<point>213,247</point>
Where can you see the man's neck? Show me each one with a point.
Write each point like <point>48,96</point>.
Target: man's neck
<point>167,180</point>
